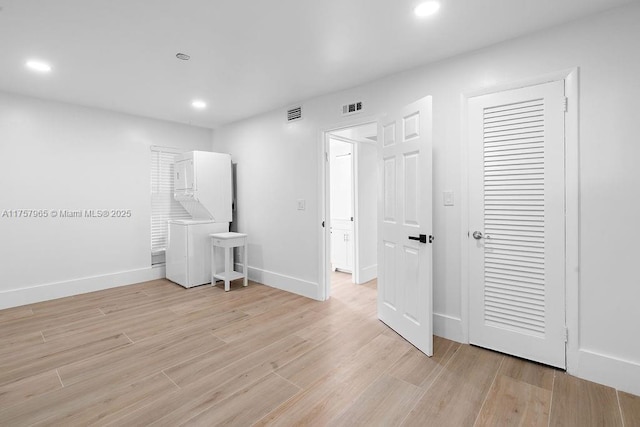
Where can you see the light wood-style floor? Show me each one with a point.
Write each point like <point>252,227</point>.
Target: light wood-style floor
<point>155,353</point>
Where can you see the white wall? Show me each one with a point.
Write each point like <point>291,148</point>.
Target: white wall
<point>279,163</point>
<point>58,156</point>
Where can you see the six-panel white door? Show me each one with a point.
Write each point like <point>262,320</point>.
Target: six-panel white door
<point>516,218</point>
<point>404,211</point>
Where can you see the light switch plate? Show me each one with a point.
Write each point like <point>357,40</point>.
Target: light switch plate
<point>447,196</point>
<point>301,204</point>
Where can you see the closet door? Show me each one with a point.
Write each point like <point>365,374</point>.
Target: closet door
<point>517,229</point>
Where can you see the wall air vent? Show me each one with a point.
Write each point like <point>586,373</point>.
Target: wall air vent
<point>354,108</point>
<point>294,114</point>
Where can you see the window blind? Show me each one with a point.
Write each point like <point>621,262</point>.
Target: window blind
<point>163,205</point>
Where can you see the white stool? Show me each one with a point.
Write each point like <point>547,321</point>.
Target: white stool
<point>228,241</point>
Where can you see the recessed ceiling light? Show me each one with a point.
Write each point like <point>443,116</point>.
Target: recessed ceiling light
<point>427,8</point>
<point>39,66</point>
<point>200,105</point>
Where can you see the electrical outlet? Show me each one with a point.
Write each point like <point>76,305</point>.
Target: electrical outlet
<point>301,204</point>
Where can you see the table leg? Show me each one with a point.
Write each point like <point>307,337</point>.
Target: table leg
<point>213,263</point>
<point>227,268</point>
<point>245,256</point>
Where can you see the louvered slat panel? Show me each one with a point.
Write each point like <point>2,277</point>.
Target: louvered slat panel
<point>513,196</point>
<point>517,243</point>
<point>530,293</point>
<point>524,117</point>
<point>518,295</point>
<point>515,261</point>
<point>517,255</point>
<point>505,301</point>
<point>509,110</point>
<point>523,305</point>
<point>507,224</point>
<point>500,162</point>
<point>514,189</point>
<point>517,155</point>
<point>515,236</point>
<point>513,128</point>
<point>502,274</point>
<point>512,319</point>
<point>516,148</point>
<point>163,205</point>
<point>511,267</point>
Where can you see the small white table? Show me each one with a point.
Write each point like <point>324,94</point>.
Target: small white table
<point>228,241</point>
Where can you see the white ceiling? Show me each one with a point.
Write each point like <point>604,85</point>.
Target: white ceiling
<point>247,56</point>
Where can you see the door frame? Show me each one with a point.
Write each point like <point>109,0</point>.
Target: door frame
<point>572,205</point>
<point>324,205</point>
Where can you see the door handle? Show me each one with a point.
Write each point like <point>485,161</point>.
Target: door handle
<point>421,238</point>
<point>478,235</point>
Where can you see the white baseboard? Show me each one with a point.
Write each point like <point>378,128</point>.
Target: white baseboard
<point>49,291</point>
<point>447,327</point>
<point>608,370</point>
<point>283,282</point>
<point>368,273</point>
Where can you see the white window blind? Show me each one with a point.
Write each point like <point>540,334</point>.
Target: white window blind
<point>163,205</point>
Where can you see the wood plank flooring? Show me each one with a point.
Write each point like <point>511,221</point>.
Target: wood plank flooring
<point>155,353</point>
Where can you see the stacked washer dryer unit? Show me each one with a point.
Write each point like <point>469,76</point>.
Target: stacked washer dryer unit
<point>202,185</point>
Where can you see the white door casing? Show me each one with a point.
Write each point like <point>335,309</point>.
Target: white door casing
<point>405,300</point>
<point>517,202</point>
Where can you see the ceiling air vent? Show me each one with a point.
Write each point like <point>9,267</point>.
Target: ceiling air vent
<point>294,114</point>
<point>354,108</point>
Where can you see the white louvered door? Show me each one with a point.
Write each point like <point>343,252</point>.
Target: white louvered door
<point>516,217</point>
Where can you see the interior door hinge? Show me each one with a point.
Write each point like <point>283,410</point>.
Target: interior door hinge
<point>566,334</point>
<point>326,156</point>
<point>566,104</point>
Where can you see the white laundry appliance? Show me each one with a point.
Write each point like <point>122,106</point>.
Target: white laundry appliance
<point>202,185</point>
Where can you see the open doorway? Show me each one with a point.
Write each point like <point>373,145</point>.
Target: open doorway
<point>342,205</point>
<point>351,205</point>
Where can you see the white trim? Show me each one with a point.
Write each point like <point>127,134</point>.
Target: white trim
<point>368,273</point>
<point>608,370</point>
<point>324,260</point>
<point>49,291</point>
<point>572,218</point>
<point>572,213</point>
<point>283,282</point>
<point>448,327</point>
<point>533,81</point>
<point>355,199</point>
<point>464,219</point>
